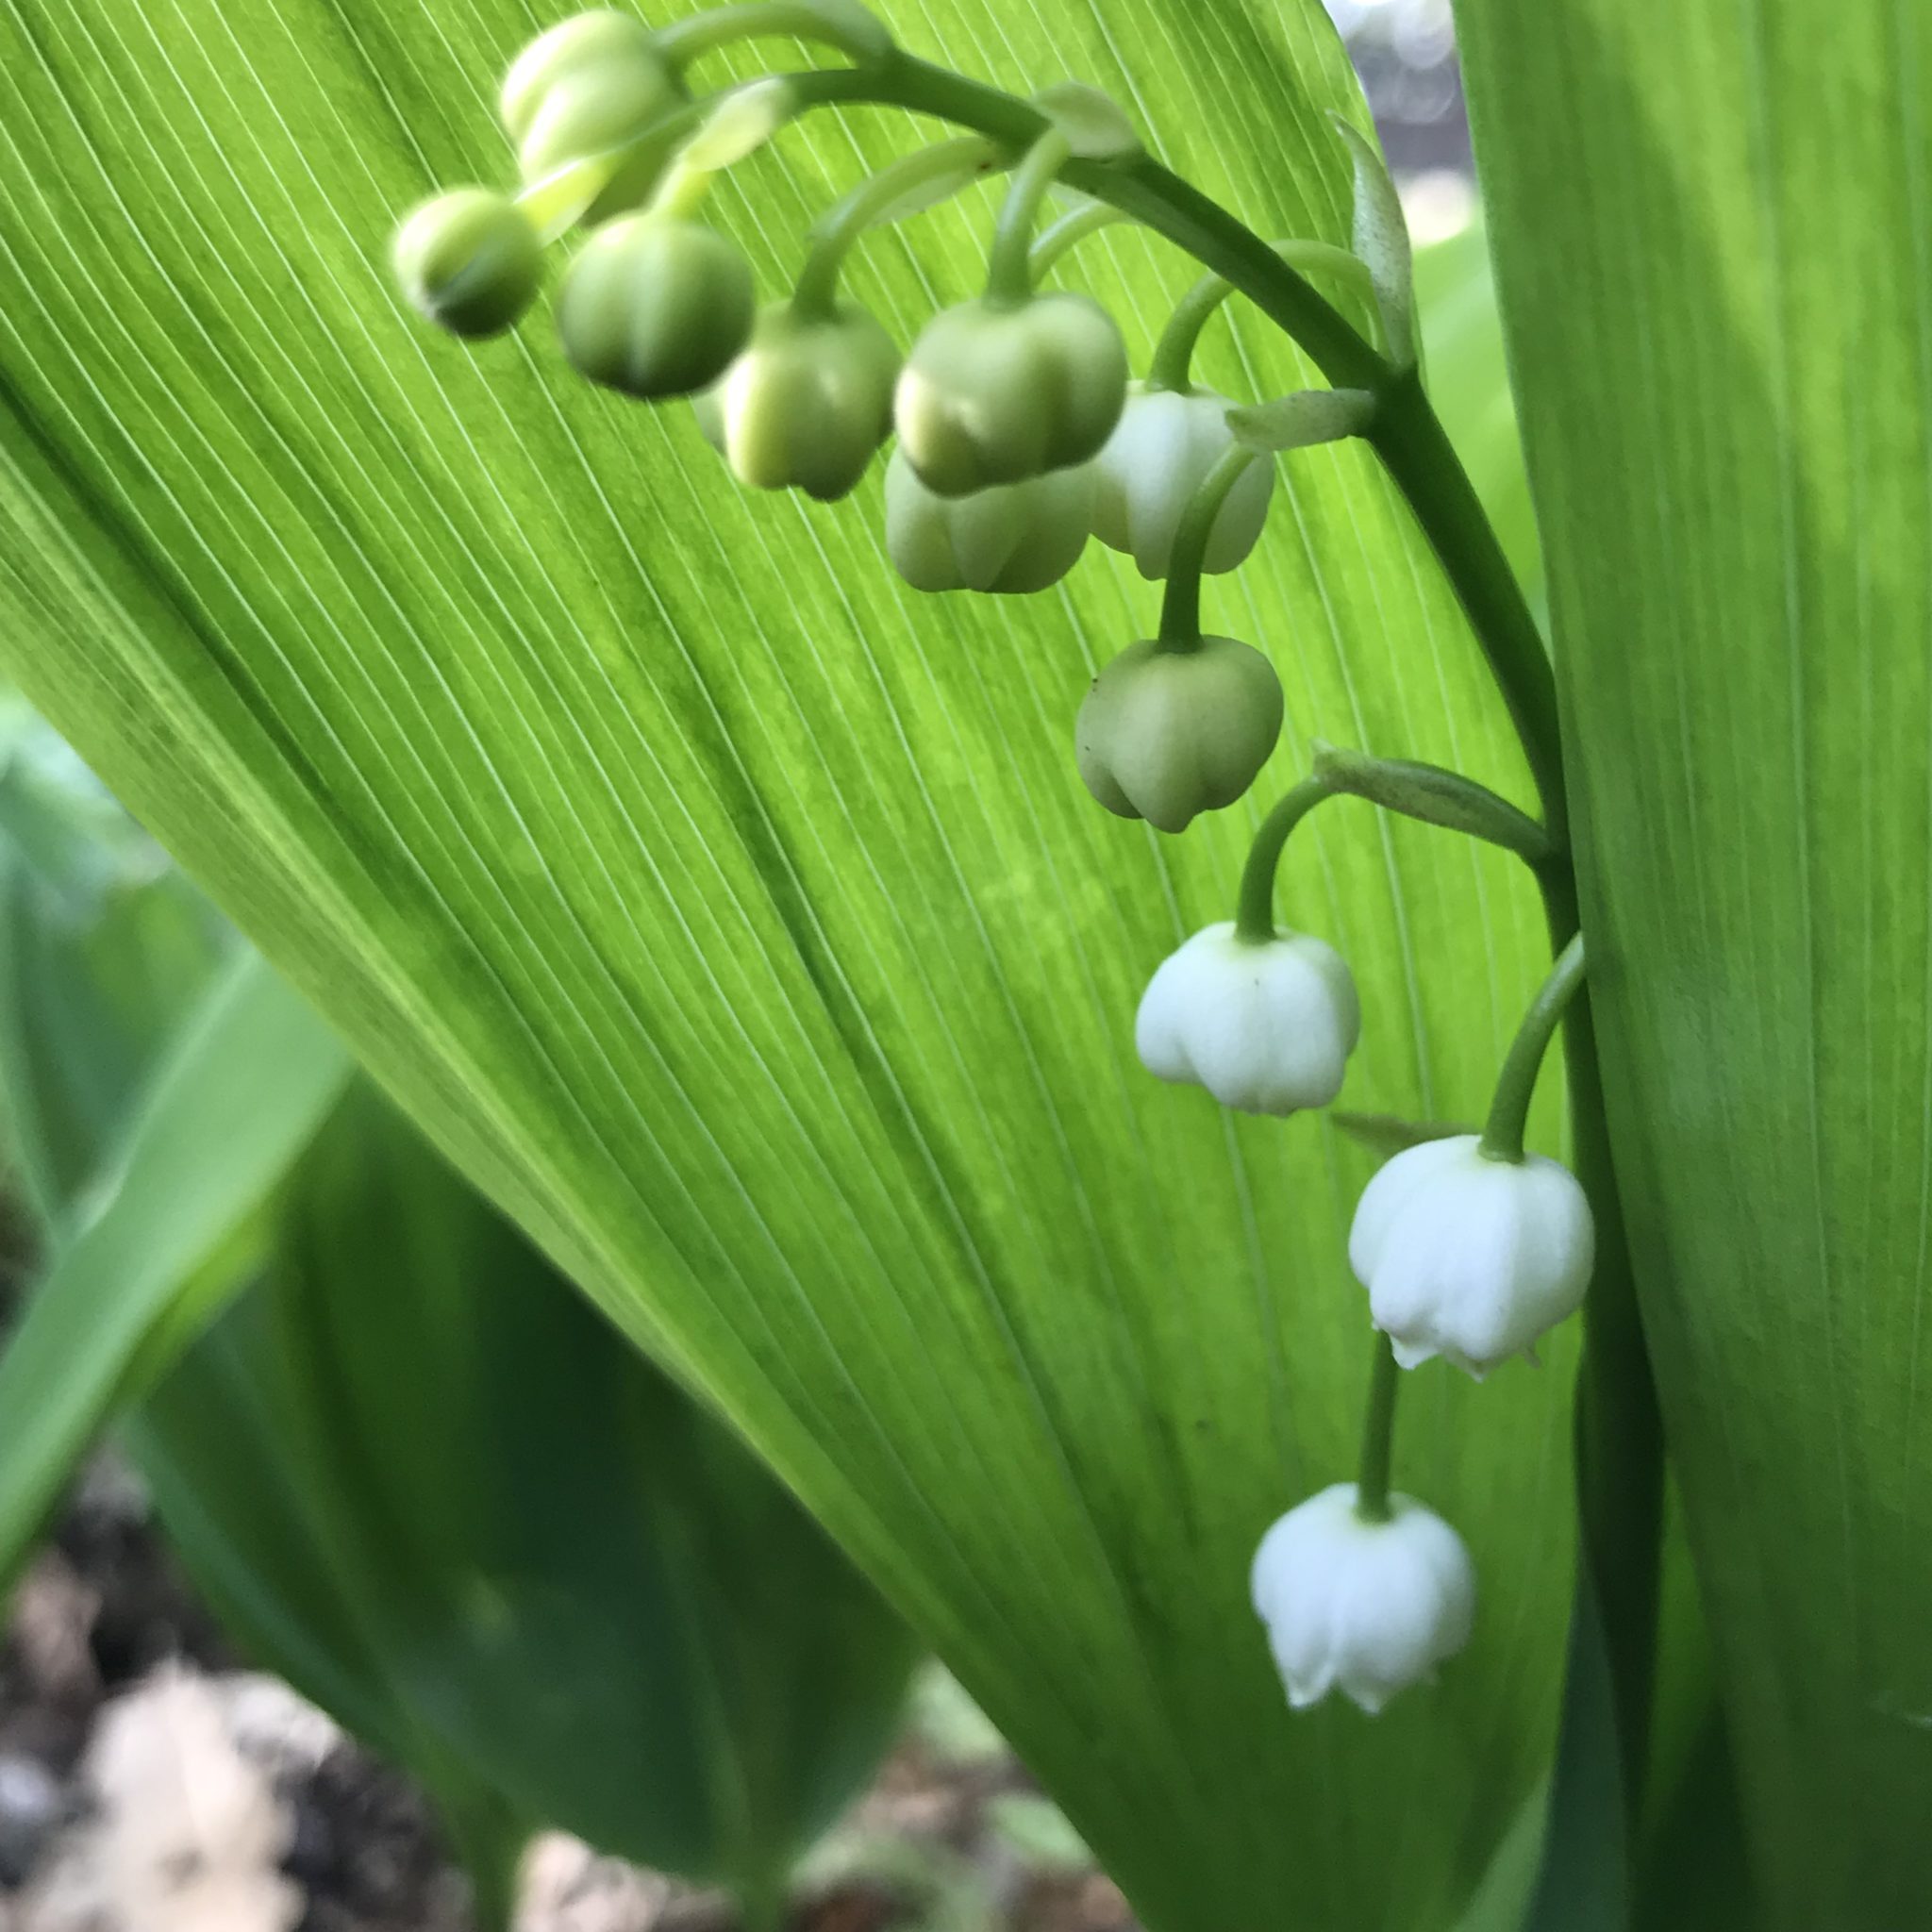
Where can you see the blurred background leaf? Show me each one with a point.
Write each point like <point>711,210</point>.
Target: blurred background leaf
<point>413,1471</point>
<point>165,1233</point>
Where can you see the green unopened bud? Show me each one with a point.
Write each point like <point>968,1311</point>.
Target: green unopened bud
<point>1164,734</point>
<point>1153,464</point>
<point>655,308</point>
<point>601,37</point>
<point>807,403</point>
<point>1016,538</point>
<point>591,86</point>
<point>469,261</point>
<point>998,392</point>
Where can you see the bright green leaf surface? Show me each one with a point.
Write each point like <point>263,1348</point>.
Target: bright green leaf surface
<point>737,916</point>
<point>1713,230</point>
<point>251,1073</point>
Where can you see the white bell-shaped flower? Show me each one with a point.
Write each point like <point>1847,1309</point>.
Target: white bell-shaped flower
<point>1266,1026</point>
<point>1160,450</point>
<point>1467,1256</point>
<point>1368,1606</point>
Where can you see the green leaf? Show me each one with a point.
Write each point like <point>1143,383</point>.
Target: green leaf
<point>430,1485</point>
<point>101,944</point>
<point>250,1072</point>
<point>737,918</point>
<point>1711,235</point>
<point>1380,239</point>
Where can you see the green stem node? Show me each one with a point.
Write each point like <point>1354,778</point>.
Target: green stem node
<point>1509,1111</point>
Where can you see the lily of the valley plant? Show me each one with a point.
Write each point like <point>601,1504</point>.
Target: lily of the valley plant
<point>1021,433</point>
<point>931,754</point>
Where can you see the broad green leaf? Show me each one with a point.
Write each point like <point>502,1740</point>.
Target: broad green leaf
<point>430,1484</point>
<point>735,917</point>
<point>101,944</point>
<point>251,1072</point>
<point>1711,233</point>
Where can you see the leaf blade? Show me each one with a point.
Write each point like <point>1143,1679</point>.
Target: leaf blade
<point>744,928</point>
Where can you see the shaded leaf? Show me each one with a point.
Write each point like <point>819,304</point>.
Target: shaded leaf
<point>251,1073</point>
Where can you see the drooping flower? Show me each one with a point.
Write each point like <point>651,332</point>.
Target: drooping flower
<point>1159,456</point>
<point>1266,1026</point>
<point>1164,734</point>
<point>1014,539</point>
<point>654,306</point>
<point>1366,1606</point>
<point>1468,1256</point>
<point>997,392</point>
<point>807,403</point>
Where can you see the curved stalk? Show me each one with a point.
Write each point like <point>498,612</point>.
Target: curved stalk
<point>1008,266</point>
<point>1405,433</point>
<point>1502,1138</point>
<point>835,232</point>
<point>1074,226</point>
<point>681,41</point>
<point>1174,354</point>
<point>1180,606</point>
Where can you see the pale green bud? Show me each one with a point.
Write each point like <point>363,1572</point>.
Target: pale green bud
<point>655,308</point>
<point>1016,538</point>
<point>601,37</point>
<point>1154,462</point>
<point>997,394</point>
<point>807,403</point>
<point>468,261</point>
<point>589,86</point>
<point>1164,734</point>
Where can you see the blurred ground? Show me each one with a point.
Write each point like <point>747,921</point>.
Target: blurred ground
<point>150,1783</point>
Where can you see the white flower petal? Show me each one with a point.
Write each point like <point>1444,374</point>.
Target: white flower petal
<point>1266,1027</point>
<point>1369,1607</point>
